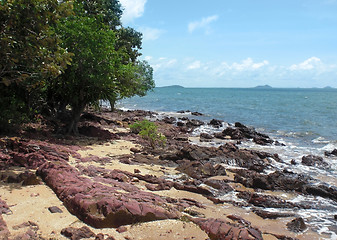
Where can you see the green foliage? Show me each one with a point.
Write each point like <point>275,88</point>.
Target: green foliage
<point>148,131</point>
<point>28,44</point>
<point>30,55</point>
<point>66,53</point>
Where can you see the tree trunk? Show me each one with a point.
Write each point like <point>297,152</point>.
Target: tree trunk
<point>75,118</point>
<point>112,104</point>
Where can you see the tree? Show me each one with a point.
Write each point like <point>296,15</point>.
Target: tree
<point>90,76</point>
<point>30,53</point>
<point>105,64</point>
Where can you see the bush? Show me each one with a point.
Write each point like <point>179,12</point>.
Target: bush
<point>148,131</point>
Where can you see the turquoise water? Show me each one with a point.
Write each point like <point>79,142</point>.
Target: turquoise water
<point>309,115</point>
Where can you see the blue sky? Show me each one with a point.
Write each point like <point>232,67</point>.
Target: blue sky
<point>238,43</point>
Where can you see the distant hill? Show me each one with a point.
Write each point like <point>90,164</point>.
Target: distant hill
<point>263,87</point>
<point>173,86</point>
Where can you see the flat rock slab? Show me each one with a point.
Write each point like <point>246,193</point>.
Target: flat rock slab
<point>104,205</point>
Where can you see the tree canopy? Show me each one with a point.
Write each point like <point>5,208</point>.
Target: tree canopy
<point>62,53</point>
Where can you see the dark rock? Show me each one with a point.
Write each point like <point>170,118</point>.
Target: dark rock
<point>135,150</point>
<point>220,185</point>
<point>198,170</point>
<point>77,233</point>
<point>311,160</point>
<point>322,191</point>
<point>205,136</point>
<point>92,131</point>
<point>332,153</point>
<point>293,162</point>
<point>169,120</point>
<point>4,208</point>
<point>266,201</point>
<point>219,229</point>
<point>99,236</point>
<point>180,124</point>
<point>121,229</point>
<point>216,123</point>
<point>271,215</point>
<point>274,181</point>
<point>241,132</point>
<point>335,217</point>
<point>181,138</point>
<point>196,113</point>
<point>55,209</point>
<point>194,123</point>
<point>297,225</point>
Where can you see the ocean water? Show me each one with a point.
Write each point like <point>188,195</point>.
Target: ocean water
<point>305,120</point>
<point>308,115</point>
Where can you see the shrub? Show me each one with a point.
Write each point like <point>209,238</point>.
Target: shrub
<point>148,131</point>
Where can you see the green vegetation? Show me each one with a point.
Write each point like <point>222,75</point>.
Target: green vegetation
<point>148,131</point>
<point>61,56</point>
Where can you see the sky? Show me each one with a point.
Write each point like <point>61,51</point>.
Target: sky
<point>237,43</point>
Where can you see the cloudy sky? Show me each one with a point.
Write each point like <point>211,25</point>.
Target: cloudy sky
<point>238,43</point>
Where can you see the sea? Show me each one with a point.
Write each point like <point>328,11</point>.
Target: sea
<point>304,120</point>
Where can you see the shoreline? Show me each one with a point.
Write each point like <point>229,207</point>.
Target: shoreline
<point>202,189</point>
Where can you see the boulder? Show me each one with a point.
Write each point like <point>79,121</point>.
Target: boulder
<point>316,161</point>
<point>332,153</point>
<point>220,229</point>
<point>77,233</point>
<point>296,225</point>
<point>216,123</point>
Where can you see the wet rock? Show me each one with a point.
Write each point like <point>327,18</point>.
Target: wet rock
<point>197,114</point>
<point>332,153</point>
<point>266,201</point>
<point>194,123</point>
<point>271,215</point>
<point>169,120</point>
<point>274,181</point>
<point>219,229</point>
<point>297,225</point>
<point>241,132</point>
<point>311,160</point>
<point>55,209</point>
<point>77,233</point>
<point>220,185</point>
<point>322,191</point>
<point>205,136</point>
<point>216,123</point>
<point>198,170</point>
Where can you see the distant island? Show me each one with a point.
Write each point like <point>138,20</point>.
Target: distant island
<point>173,86</point>
<point>263,87</point>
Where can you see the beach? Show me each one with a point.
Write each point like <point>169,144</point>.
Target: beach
<point>109,183</point>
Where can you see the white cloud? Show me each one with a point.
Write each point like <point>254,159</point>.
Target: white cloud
<point>150,33</point>
<point>203,23</point>
<point>308,64</point>
<point>248,64</point>
<point>132,9</point>
<point>190,72</point>
<point>194,65</point>
<point>161,63</point>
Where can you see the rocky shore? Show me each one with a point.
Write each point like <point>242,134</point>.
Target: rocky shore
<point>110,184</point>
